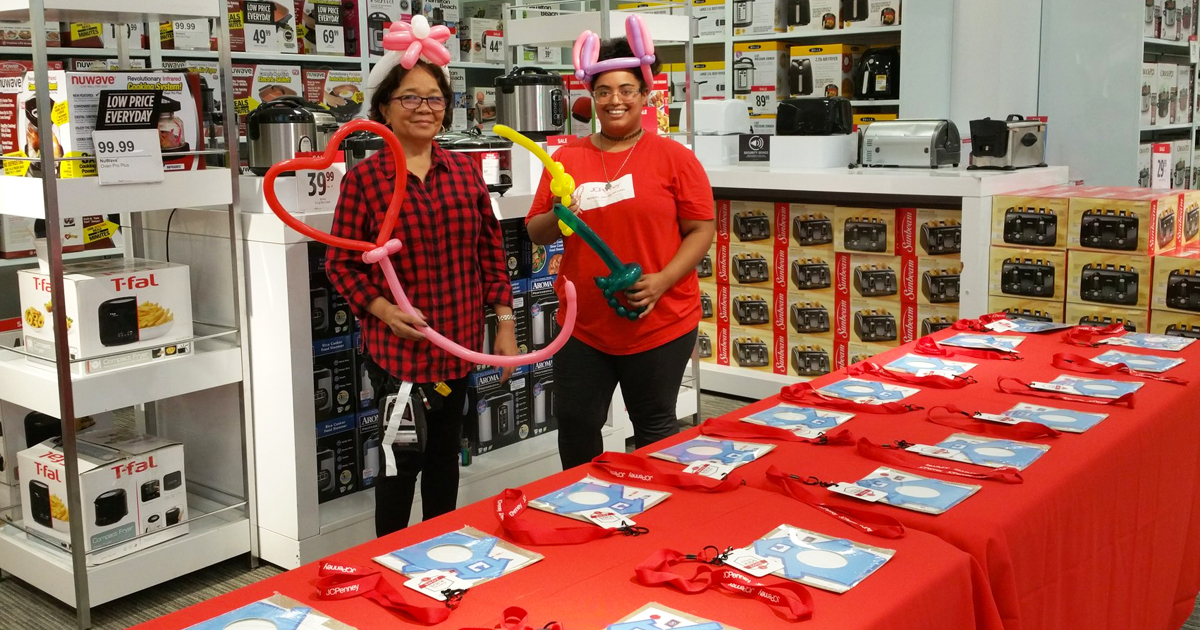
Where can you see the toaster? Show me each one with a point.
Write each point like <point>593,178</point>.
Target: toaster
<point>817,229</point>
<point>1030,277</point>
<point>704,345</point>
<point>1030,226</point>
<point>752,225</point>
<point>809,317</point>
<point>1183,290</point>
<point>1166,229</point>
<point>751,268</point>
<point>1109,284</point>
<point>751,310</point>
<point>874,325</point>
<point>706,308</point>
<point>1183,330</point>
<point>814,117</point>
<point>915,143</point>
<point>544,322</point>
<point>940,286</point>
<point>809,361</point>
<point>811,273</point>
<point>800,77</point>
<point>1108,229</point>
<point>941,237</point>
<point>930,325</point>
<point>721,117</point>
<point>117,321</point>
<point>1096,320</point>
<point>875,281</point>
<point>1007,144</point>
<point>1027,314</point>
<point>864,234</point>
<point>1191,222</point>
<point>705,268</point>
<point>751,352</point>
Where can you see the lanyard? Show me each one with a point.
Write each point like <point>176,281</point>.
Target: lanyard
<point>804,394</point>
<point>626,466</point>
<point>737,429</point>
<point>517,618</point>
<point>345,581</point>
<point>511,504</point>
<point>865,521</point>
<point>1025,389</point>
<point>901,458</point>
<point>1075,363</point>
<point>978,325</point>
<point>1020,431</point>
<point>1086,335</point>
<point>927,346</point>
<point>789,600</point>
<point>936,381</point>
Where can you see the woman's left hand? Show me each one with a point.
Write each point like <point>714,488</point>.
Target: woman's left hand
<point>506,345</point>
<point>647,291</point>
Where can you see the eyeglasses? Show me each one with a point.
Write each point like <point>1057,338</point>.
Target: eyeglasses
<point>412,101</point>
<point>626,94</point>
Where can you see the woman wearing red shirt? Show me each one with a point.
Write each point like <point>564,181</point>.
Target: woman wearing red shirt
<point>649,198</point>
<point>451,265</point>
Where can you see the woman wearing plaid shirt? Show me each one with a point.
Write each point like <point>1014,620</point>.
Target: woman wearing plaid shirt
<point>451,265</point>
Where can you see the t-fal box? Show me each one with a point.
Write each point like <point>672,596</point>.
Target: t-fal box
<point>1027,273</point>
<point>339,91</point>
<point>814,15</point>
<point>822,71</point>
<point>334,391</point>
<point>22,428</point>
<point>1135,320</point>
<point>370,456</point>
<point>337,458</point>
<point>501,409</point>
<point>710,80</point>
<point>864,231</point>
<point>1035,218</point>
<point>129,487</point>
<point>760,75</point>
<point>1175,324</point>
<point>809,356</point>
<point>1109,278</point>
<point>706,342</point>
<point>757,17</point>
<point>870,13</point>
<point>1124,220</point>
<point>1187,224</point>
<point>1177,283</point>
<point>1149,94</point>
<point>1029,308</point>
<point>115,305</point>
<point>1168,93</point>
<point>543,312</point>
<point>269,26</point>
<point>710,16</point>
<point>20,34</point>
<point>541,397</point>
<point>254,85</point>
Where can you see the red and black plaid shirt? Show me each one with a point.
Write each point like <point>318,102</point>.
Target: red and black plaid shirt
<point>452,263</point>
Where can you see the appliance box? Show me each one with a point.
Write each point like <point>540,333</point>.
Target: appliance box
<point>1124,220</point>
<point>1109,279</point>
<point>338,466</point>
<point>114,305</point>
<point>809,356</point>
<point>370,454</point>
<point>133,490</point>
<point>542,304</point>
<point>255,84</point>
<point>1027,273</point>
<point>1149,94</point>
<point>20,34</point>
<point>1134,320</point>
<point>710,16</point>
<point>757,17</point>
<point>339,91</point>
<point>864,231</point>
<point>1175,324</point>
<point>23,428</point>
<point>1039,310</point>
<point>870,13</point>
<point>1033,219</point>
<point>1176,284</point>
<point>502,415</point>
<point>542,397</point>
<point>823,71</point>
<point>802,16</point>
<point>875,321</point>
<point>710,80</point>
<point>334,391</point>
<point>1143,164</point>
<point>760,75</point>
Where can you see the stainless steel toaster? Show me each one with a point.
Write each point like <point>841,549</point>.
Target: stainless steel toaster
<point>1008,144</point>
<point>914,143</point>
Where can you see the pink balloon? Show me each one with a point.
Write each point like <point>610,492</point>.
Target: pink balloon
<point>411,55</point>
<point>437,53</point>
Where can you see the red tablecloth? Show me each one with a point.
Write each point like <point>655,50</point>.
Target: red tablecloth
<point>927,585</point>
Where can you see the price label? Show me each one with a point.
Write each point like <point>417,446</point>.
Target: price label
<point>318,191</point>
<point>190,34</point>
<point>261,38</point>
<point>493,44</point>
<point>128,156</point>
<point>547,54</point>
<point>331,40</point>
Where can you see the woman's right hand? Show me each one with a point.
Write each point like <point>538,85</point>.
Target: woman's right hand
<point>402,324</point>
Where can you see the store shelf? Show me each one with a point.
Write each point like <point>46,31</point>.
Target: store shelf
<point>879,103</point>
<point>561,30</point>
<point>95,253</point>
<point>698,41</point>
<point>1175,127</point>
<point>214,362</point>
<point>210,539</point>
<point>854,33</point>
<point>736,381</point>
<point>1177,47</point>
<point>129,11</point>
<point>885,181</point>
<point>82,196</point>
<point>70,52</point>
<point>263,56</point>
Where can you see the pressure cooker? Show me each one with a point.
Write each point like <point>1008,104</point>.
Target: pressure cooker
<point>283,127</point>
<point>492,155</point>
<point>359,146</point>
<point>743,76</point>
<point>531,101</point>
<point>743,13</point>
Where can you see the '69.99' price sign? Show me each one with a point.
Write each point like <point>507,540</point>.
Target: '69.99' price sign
<point>317,191</point>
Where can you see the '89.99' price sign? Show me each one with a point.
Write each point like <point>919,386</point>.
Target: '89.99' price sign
<point>317,191</point>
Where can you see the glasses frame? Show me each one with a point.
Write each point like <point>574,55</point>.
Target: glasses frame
<point>425,100</point>
<point>618,94</point>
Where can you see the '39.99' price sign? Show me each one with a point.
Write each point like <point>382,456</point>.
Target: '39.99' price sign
<point>317,191</point>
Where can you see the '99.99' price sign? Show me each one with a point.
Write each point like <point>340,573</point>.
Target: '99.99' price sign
<point>126,139</point>
<point>317,191</point>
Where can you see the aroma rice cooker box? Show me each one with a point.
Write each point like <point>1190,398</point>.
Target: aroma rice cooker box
<point>112,306</point>
<point>339,91</point>
<point>501,410</point>
<point>1135,320</point>
<point>541,397</point>
<point>132,486</point>
<point>822,71</point>
<point>1124,220</point>
<point>760,75</point>
<point>1109,279</point>
<point>814,15</point>
<point>337,458</point>
<point>870,13</point>
<point>756,17</point>
<point>1149,96</point>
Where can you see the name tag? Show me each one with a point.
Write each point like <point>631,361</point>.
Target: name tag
<point>594,195</point>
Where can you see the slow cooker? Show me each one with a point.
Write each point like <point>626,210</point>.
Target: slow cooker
<point>492,155</point>
<point>531,101</point>
<point>283,127</point>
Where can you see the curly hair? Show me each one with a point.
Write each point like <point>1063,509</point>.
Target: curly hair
<point>617,48</point>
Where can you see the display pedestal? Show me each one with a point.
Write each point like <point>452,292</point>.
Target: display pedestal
<point>788,152</point>
<point>716,150</point>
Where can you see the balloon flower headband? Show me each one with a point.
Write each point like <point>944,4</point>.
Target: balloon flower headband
<point>405,43</point>
<point>385,246</point>
<point>586,53</point>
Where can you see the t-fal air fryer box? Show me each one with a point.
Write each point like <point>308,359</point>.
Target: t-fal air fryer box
<point>371,462</point>
<point>812,16</point>
<point>22,428</point>
<point>113,306</point>
<point>541,397</point>
<point>501,410</point>
<point>337,458</point>
<point>870,13</point>
<point>1124,221</point>
<point>339,91</point>
<point>760,75</point>
<point>131,486</point>
<point>822,71</point>
<point>334,390</point>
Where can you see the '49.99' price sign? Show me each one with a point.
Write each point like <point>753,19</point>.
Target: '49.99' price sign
<point>317,191</point>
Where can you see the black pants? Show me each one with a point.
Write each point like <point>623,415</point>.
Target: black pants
<point>586,379</point>
<point>437,464</point>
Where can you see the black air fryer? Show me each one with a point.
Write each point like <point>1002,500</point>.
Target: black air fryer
<point>111,507</point>
<point>172,481</point>
<point>40,427</point>
<point>800,77</point>
<point>173,515</point>
<point>877,75</point>
<point>39,503</point>
<point>814,117</point>
<point>118,321</point>
<point>855,10</point>
<point>798,13</point>
<point>150,491</point>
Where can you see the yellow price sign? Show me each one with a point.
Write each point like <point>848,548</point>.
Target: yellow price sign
<point>16,168</point>
<point>235,20</point>
<point>99,232</point>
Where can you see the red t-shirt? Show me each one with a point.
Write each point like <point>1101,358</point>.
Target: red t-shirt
<point>661,184</point>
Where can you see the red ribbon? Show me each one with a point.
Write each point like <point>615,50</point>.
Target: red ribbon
<point>935,381</point>
<point>1027,390</point>
<point>1086,335</point>
<point>629,467</point>
<point>789,600</point>
<point>1021,431</point>
<point>865,521</point>
<point>901,458</point>
<point>737,429</point>
<point>805,394</point>
<point>928,347</point>
<point>346,581</point>
<point>979,325</point>
<point>1083,365</point>
<point>517,618</point>
<point>511,504</point>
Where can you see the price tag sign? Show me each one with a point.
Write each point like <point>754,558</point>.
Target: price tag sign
<point>262,33</point>
<point>190,34</point>
<point>1160,166</point>
<point>547,54</point>
<point>317,191</point>
<point>331,37</point>
<point>128,157</point>
<point>493,43</point>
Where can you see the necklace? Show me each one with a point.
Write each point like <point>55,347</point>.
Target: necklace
<point>608,186</point>
<point>620,138</point>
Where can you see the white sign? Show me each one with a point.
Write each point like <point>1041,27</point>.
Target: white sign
<point>128,157</point>
<point>547,54</point>
<point>331,40</point>
<point>1160,166</point>
<point>190,34</point>
<point>493,43</point>
<point>261,38</point>
<point>318,191</point>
